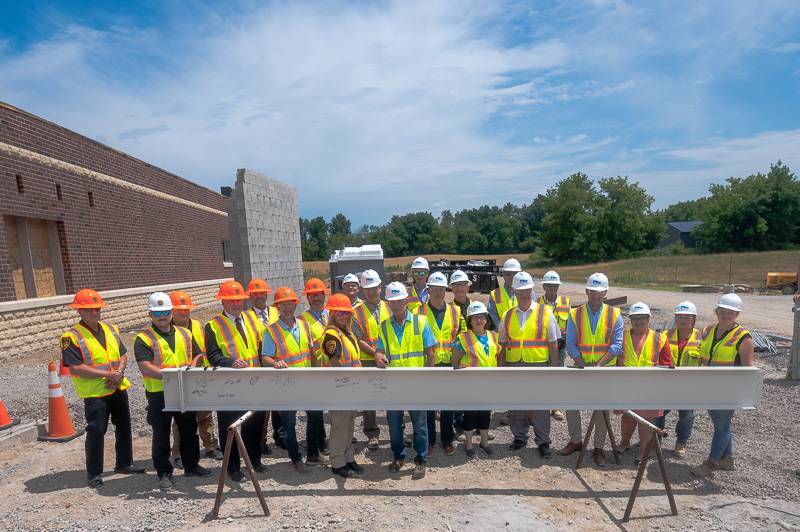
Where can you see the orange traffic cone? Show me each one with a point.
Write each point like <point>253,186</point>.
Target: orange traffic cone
<point>59,422</point>
<point>5,419</point>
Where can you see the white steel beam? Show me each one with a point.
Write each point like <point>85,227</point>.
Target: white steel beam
<point>463,389</point>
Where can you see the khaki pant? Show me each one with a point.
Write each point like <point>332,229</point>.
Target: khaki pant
<point>341,438</point>
<point>520,420</point>
<point>575,429</point>
<point>205,426</point>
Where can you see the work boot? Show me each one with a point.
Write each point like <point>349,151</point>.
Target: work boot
<point>516,445</point>
<point>419,471</point>
<point>343,471</point>
<point>570,448</point>
<point>300,467</point>
<point>132,469</point>
<point>216,454</point>
<point>396,465</point>
<point>558,415</point>
<point>544,450</point>
<point>355,467</point>
<point>236,476</point>
<point>705,469</point>
<point>599,456</point>
<point>726,463</point>
<point>680,449</point>
<point>486,449</point>
<point>197,471</point>
<point>317,460</point>
<point>95,481</point>
<point>165,482</point>
<point>373,444</point>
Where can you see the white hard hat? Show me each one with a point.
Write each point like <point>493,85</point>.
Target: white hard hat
<point>639,309</point>
<point>350,278</point>
<point>551,277</point>
<point>396,291</point>
<point>159,301</point>
<point>420,263</point>
<point>459,277</point>
<point>522,281</point>
<point>730,302</point>
<point>512,265</point>
<point>597,282</point>
<point>437,279</point>
<point>686,307</point>
<point>476,307</point>
<point>370,279</point>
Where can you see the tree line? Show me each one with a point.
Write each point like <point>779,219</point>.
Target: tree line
<point>579,220</point>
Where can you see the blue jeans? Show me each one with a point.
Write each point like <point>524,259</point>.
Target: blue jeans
<point>396,425</point>
<point>289,422</point>
<point>722,442</point>
<point>446,424</point>
<point>683,429</point>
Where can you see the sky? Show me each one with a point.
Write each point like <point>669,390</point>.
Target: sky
<point>381,108</point>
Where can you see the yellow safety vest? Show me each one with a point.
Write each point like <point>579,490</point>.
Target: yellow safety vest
<point>351,354</point>
<point>475,355</point>
<point>690,357</point>
<point>529,342</point>
<point>316,327</point>
<point>594,345</point>
<point>163,356</point>
<point>503,301</point>
<point>230,342</point>
<point>369,326</point>
<point>651,347</point>
<point>287,349</point>
<point>560,311</point>
<point>411,354</point>
<point>199,336</point>
<point>413,303</point>
<point>447,333</point>
<point>726,351</point>
<point>96,356</point>
<point>255,322</point>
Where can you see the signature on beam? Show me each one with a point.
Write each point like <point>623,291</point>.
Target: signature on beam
<point>345,382</point>
<point>283,381</point>
<point>228,382</point>
<point>378,384</point>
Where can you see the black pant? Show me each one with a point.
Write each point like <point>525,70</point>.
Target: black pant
<point>97,411</point>
<point>278,434</point>
<point>251,436</point>
<point>161,421</point>
<point>477,420</point>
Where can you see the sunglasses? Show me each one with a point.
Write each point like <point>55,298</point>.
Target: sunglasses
<point>420,274</point>
<point>161,313</point>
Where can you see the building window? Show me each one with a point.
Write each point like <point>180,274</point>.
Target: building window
<point>20,188</point>
<point>59,195</point>
<point>91,199</point>
<point>226,253</point>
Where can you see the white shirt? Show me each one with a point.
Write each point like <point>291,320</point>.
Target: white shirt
<point>553,330</point>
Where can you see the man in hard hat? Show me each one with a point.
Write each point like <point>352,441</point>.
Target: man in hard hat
<point>551,282</point>
<point>444,320</point>
<point>182,317</point>
<point>163,345</point>
<point>317,318</point>
<point>418,295</point>
<point>594,329</point>
<point>95,355</point>
<point>501,299</point>
<point>528,337</point>
<point>405,340</point>
<point>288,343</point>
<point>232,342</point>
<point>368,314</point>
<point>459,285</point>
<point>350,287</point>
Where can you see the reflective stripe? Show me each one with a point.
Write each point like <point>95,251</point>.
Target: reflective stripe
<point>227,333</point>
<point>87,354</point>
<point>386,347</point>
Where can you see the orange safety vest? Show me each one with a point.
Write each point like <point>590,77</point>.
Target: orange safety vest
<point>288,349</point>
<point>529,342</point>
<point>594,346</point>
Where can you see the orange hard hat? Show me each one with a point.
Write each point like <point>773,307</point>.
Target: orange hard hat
<point>284,293</point>
<point>339,302</point>
<point>181,300</point>
<point>314,285</point>
<point>87,298</point>
<point>231,290</point>
<point>258,286</point>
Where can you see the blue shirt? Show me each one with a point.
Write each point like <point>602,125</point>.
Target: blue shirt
<point>268,347</point>
<point>572,334</point>
<point>422,294</point>
<point>428,339</point>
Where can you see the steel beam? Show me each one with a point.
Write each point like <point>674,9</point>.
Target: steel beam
<point>463,389</point>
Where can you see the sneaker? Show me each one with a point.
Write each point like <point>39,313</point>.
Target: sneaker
<point>558,415</point>
<point>216,454</point>
<point>317,460</point>
<point>705,469</point>
<point>680,450</point>
<point>373,444</point>
<point>343,471</point>
<point>300,467</point>
<point>132,469</point>
<point>544,450</point>
<point>470,453</point>
<point>516,445</point>
<point>355,467</point>
<point>95,482</point>
<point>488,450</point>
<point>178,462</point>
<point>449,450</point>
<point>197,471</point>
<point>236,476</point>
<point>461,437</point>
<point>419,471</point>
<point>396,465</point>
<point>165,482</point>
<point>726,463</point>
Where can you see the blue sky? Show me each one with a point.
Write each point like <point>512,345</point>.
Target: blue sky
<point>381,108</point>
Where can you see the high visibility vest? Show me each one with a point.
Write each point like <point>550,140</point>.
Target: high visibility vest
<point>409,354</point>
<point>199,336</point>
<point>163,356</point>
<point>560,311</point>
<point>96,356</point>
<point>351,354</point>
<point>529,342</point>
<point>651,347</point>
<point>690,356</point>
<point>594,345</point>
<point>317,327</point>
<point>726,351</point>
<point>503,301</point>
<point>446,334</point>
<point>475,354</point>
<point>230,342</point>
<point>295,354</point>
<point>256,323</point>
<point>413,303</point>
<point>369,325</point>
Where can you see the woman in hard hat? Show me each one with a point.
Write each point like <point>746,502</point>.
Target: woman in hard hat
<point>726,343</point>
<point>684,345</point>
<point>476,347</point>
<point>340,349</point>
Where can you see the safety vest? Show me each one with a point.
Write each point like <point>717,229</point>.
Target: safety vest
<point>726,351</point>
<point>690,356</point>
<point>96,356</point>
<point>475,355</point>
<point>529,342</point>
<point>651,347</point>
<point>287,349</point>
<point>503,301</point>
<point>199,336</point>
<point>317,327</point>
<point>351,354</point>
<point>369,325</point>
<point>594,345</point>
<point>256,323</point>
<point>230,342</point>
<point>411,353</point>
<point>413,303</point>
<point>163,356</point>
<point>447,333</point>
<point>560,311</point>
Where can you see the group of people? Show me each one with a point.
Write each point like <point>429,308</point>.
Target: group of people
<point>407,327</point>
